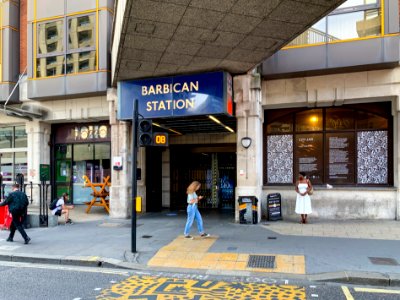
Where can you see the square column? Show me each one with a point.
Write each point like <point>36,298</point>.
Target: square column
<point>249,114</point>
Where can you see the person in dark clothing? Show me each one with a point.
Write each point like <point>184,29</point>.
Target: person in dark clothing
<point>17,203</point>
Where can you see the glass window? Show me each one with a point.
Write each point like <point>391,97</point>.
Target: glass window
<point>367,120</point>
<point>81,32</point>
<point>21,139</point>
<point>283,124</point>
<point>79,55</point>
<point>346,145</point>
<point>309,120</point>
<point>81,62</point>
<point>314,35</point>
<point>354,25</point>
<point>6,167</point>
<point>50,66</point>
<point>353,19</point>
<point>339,119</point>
<point>21,164</point>
<point>6,135</point>
<point>50,37</point>
<point>350,3</point>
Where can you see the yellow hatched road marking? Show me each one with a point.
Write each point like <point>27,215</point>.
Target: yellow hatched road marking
<point>380,291</point>
<point>148,287</point>
<point>347,293</point>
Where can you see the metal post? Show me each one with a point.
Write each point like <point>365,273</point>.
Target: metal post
<point>134,167</point>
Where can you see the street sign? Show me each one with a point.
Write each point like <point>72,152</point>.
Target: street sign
<point>44,172</point>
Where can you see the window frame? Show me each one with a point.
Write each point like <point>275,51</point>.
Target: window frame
<point>342,11</point>
<point>66,51</point>
<point>325,133</point>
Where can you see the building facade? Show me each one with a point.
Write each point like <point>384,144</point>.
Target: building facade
<point>58,112</point>
<point>326,104</point>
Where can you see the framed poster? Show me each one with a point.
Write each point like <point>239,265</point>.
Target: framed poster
<point>308,156</point>
<point>340,158</point>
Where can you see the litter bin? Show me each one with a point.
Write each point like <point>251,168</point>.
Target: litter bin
<point>248,211</point>
<point>274,211</point>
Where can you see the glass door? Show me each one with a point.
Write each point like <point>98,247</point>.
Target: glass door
<point>63,162</point>
<point>93,161</point>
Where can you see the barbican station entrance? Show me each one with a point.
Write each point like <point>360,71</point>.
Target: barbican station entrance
<point>213,166</point>
<point>170,170</point>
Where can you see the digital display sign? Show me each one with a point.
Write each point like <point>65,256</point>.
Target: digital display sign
<point>160,139</point>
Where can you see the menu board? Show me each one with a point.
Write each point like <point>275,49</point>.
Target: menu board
<point>309,157</point>
<point>340,158</point>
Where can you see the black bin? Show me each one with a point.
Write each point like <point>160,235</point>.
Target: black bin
<point>274,208</point>
<point>248,212</point>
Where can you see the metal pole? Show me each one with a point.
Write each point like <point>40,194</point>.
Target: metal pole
<point>134,168</point>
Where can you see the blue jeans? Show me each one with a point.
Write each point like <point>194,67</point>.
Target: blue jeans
<point>193,213</point>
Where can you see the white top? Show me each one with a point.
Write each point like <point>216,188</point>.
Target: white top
<point>59,205</point>
<point>190,197</point>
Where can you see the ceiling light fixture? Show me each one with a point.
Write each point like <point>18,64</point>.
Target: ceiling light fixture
<point>220,123</point>
<point>169,129</point>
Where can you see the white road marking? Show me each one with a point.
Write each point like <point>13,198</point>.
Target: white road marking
<point>77,299</point>
<point>380,291</point>
<point>97,289</point>
<point>65,268</point>
<point>314,295</point>
<point>286,281</point>
<point>313,286</point>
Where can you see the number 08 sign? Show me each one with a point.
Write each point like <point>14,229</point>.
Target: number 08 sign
<point>160,139</point>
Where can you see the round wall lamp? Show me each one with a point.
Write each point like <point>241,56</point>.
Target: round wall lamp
<point>246,142</point>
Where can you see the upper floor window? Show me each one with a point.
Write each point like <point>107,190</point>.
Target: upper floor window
<point>66,46</point>
<point>353,19</point>
<point>13,137</point>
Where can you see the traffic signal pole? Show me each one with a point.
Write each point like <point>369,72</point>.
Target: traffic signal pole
<point>135,117</point>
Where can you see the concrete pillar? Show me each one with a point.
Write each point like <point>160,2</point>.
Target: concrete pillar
<point>38,134</point>
<point>249,114</point>
<point>120,190</point>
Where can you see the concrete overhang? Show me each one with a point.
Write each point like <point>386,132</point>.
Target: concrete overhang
<point>167,37</point>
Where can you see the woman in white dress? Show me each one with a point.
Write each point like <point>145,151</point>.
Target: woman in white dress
<point>303,200</point>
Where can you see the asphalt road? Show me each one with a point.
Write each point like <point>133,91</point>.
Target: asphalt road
<point>28,281</point>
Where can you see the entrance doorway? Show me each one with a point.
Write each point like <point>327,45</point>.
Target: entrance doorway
<point>214,168</point>
<point>72,161</point>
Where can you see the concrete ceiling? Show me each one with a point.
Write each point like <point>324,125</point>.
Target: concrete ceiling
<point>168,37</point>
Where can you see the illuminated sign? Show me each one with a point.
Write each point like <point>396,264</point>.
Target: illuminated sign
<point>160,139</point>
<point>178,96</point>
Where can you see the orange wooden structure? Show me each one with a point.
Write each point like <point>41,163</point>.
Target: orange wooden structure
<point>100,193</point>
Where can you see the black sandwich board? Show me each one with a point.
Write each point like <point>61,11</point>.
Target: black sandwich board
<point>274,211</point>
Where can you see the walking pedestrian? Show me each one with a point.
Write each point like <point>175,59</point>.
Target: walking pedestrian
<point>193,211</point>
<point>303,200</point>
<point>17,203</point>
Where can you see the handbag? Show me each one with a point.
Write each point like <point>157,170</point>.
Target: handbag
<point>311,190</point>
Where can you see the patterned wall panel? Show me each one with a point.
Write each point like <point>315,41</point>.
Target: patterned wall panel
<point>280,158</point>
<point>372,157</point>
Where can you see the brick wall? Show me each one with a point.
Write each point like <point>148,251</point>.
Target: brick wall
<point>23,27</point>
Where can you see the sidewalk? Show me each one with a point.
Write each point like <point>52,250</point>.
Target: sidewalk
<point>343,251</point>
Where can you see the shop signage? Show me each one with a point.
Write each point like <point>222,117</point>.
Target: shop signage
<point>178,96</point>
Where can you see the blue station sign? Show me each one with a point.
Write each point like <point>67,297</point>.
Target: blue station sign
<point>177,96</point>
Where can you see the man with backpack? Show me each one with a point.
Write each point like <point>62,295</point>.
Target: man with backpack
<point>59,207</point>
<point>17,203</point>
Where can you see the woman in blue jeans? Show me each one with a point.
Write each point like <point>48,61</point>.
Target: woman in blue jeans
<point>193,211</point>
